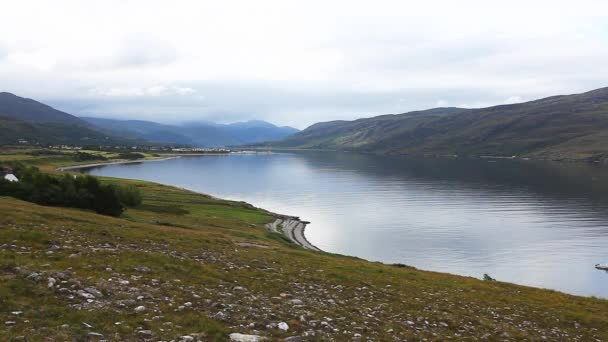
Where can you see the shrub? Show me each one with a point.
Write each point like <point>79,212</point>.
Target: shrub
<point>131,155</point>
<point>129,196</point>
<point>84,156</point>
<point>81,191</point>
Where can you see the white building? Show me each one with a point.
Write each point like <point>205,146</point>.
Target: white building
<point>11,177</point>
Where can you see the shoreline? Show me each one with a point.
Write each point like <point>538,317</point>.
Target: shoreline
<point>290,226</point>
<point>119,162</point>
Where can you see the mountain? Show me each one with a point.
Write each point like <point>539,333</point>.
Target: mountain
<point>558,127</point>
<point>27,119</point>
<point>205,134</point>
<point>32,111</point>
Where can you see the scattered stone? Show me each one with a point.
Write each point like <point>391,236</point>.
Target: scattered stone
<point>140,308</point>
<point>34,277</point>
<point>245,338</point>
<point>145,333</point>
<point>51,282</point>
<point>10,323</point>
<point>283,326</point>
<point>296,302</point>
<point>294,339</point>
<point>142,269</point>
<point>94,334</point>
<point>186,338</point>
<point>85,295</point>
<point>95,292</point>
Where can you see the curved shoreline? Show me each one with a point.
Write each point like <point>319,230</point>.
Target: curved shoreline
<point>290,226</point>
<point>87,166</point>
<point>293,228</point>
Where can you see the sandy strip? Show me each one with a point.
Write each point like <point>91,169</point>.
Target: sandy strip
<point>293,228</point>
<point>86,166</point>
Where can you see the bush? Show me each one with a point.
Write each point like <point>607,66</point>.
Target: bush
<point>84,156</point>
<point>131,155</point>
<point>84,192</point>
<point>129,196</point>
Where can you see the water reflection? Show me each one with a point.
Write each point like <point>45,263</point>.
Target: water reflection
<point>536,223</point>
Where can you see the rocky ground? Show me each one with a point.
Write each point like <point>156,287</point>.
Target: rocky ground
<point>216,273</point>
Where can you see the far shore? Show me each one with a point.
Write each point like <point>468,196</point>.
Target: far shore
<point>86,166</point>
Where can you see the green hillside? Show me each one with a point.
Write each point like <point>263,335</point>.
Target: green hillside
<point>559,127</point>
<point>37,123</point>
<point>188,267</point>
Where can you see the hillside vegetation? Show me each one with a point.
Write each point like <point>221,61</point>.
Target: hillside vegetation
<point>184,266</point>
<point>559,127</point>
<point>37,123</point>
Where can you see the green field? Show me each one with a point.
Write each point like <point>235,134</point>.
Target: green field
<point>205,268</point>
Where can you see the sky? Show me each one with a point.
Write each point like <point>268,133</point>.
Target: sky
<point>297,62</point>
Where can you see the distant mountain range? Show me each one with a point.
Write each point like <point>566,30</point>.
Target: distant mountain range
<point>35,122</point>
<point>204,134</point>
<point>558,127</point>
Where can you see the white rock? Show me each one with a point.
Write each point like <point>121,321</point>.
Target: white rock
<point>283,326</point>
<point>86,295</point>
<point>52,282</point>
<point>245,338</point>
<point>186,338</point>
<point>140,308</point>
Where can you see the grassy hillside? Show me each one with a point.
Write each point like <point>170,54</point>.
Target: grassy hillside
<point>22,118</point>
<point>185,264</point>
<point>559,127</point>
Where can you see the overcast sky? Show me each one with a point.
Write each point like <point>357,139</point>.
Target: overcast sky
<point>297,62</point>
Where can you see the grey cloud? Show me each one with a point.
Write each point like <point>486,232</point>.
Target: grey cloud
<point>142,50</point>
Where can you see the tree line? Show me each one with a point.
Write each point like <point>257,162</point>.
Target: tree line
<point>76,191</point>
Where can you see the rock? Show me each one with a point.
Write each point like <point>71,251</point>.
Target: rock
<point>34,277</point>
<point>51,282</point>
<point>186,338</point>
<point>94,334</point>
<point>145,333</point>
<point>283,326</point>
<point>245,338</point>
<point>65,326</point>
<point>142,269</point>
<point>296,302</point>
<point>10,323</point>
<point>85,295</point>
<point>239,288</point>
<point>17,313</point>
<point>294,339</point>
<point>95,292</point>
<point>140,308</point>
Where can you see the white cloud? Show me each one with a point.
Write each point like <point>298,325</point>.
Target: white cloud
<point>441,103</point>
<point>265,59</point>
<point>184,90</point>
<point>513,99</point>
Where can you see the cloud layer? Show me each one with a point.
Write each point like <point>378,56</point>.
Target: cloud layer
<point>294,62</point>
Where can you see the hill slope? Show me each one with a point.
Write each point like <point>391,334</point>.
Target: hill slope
<point>572,126</point>
<point>188,264</point>
<point>195,133</point>
<point>22,118</point>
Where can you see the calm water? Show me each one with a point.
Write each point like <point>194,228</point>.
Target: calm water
<point>533,223</point>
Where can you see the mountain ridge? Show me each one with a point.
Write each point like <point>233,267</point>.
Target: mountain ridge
<point>197,133</point>
<point>557,127</point>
